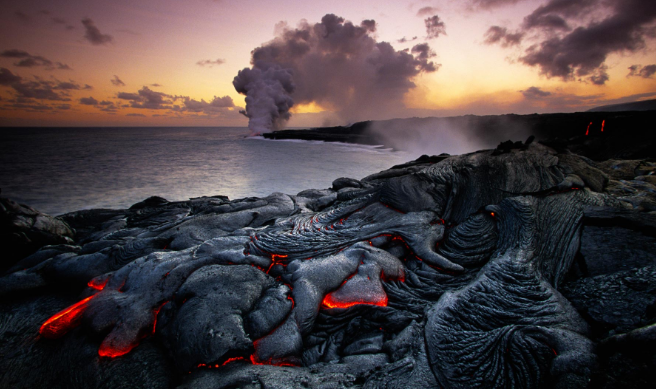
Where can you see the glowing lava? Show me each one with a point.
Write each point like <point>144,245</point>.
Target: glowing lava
<point>98,284</point>
<point>108,351</point>
<point>330,302</point>
<point>59,324</point>
<point>587,130</point>
<point>603,122</point>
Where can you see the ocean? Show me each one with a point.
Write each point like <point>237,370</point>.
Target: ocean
<point>60,170</point>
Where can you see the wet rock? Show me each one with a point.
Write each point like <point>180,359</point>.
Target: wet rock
<point>23,230</point>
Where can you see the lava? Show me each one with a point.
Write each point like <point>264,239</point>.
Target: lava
<point>111,352</point>
<point>156,312</point>
<point>603,122</point>
<point>98,284</point>
<point>59,324</point>
<point>587,130</point>
<point>330,302</point>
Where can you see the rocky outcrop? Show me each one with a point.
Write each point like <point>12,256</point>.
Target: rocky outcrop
<point>24,230</point>
<point>523,266</point>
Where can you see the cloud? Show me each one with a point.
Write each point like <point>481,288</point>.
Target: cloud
<point>7,78</point>
<point>136,114</point>
<point>535,93</point>
<point>434,27</point>
<point>642,71</point>
<point>107,106</point>
<point>426,11</point>
<point>497,34</point>
<point>36,89</point>
<point>156,85</point>
<point>88,101</point>
<point>488,4</point>
<point>69,85</point>
<point>335,64</point>
<point>210,63</point>
<point>26,60</point>
<point>14,53</point>
<point>22,17</point>
<point>573,43</point>
<point>117,81</point>
<point>217,104</point>
<point>93,34</point>
<point>146,98</point>
<point>423,53</point>
<point>404,39</point>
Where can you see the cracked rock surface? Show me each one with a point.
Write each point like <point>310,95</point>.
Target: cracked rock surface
<point>520,267</point>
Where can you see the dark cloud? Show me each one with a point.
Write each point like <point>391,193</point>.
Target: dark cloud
<point>136,114</point>
<point>434,27</point>
<point>554,13</point>
<point>14,53</point>
<point>33,107</point>
<point>27,60</point>
<point>642,71</point>
<point>68,85</point>
<point>88,101</point>
<point>40,90</point>
<point>156,85</point>
<point>571,48</point>
<point>22,16</point>
<point>535,93</point>
<point>334,63</point>
<point>404,39</point>
<point>146,98</point>
<point>63,107</point>
<point>497,34</point>
<point>117,81</point>
<point>217,106</point>
<point>426,11</point>
<point>210,63</point>
<point>369,25</point>
<point>7,78</point>
<point>33,61</point>
<point>93,34</point>
<point>487,4</point>
<point>423,53</point>
<point>107,106</point>
<point>35,89</point>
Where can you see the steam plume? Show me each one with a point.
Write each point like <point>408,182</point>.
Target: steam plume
<point>336,64</point>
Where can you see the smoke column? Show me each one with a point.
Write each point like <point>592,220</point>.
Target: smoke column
<point>267,88</point>
<point>335,64</point>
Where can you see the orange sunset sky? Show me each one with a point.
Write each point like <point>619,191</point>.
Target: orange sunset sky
<point>172,63</point>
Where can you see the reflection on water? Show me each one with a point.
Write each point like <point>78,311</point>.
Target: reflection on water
<point>58,170</point>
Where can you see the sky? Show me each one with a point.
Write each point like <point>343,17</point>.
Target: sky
<point>270,64</point>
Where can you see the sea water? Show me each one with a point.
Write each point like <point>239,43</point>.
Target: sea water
<point>59,170</point>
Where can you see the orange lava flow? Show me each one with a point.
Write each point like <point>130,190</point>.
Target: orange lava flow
<point>232,360</point>
<point>59,324</point>
<point>110,352</point>
<point>587,130</point>
<point>98,284</point>
<point>602,125</point>
<point>330,302</point>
